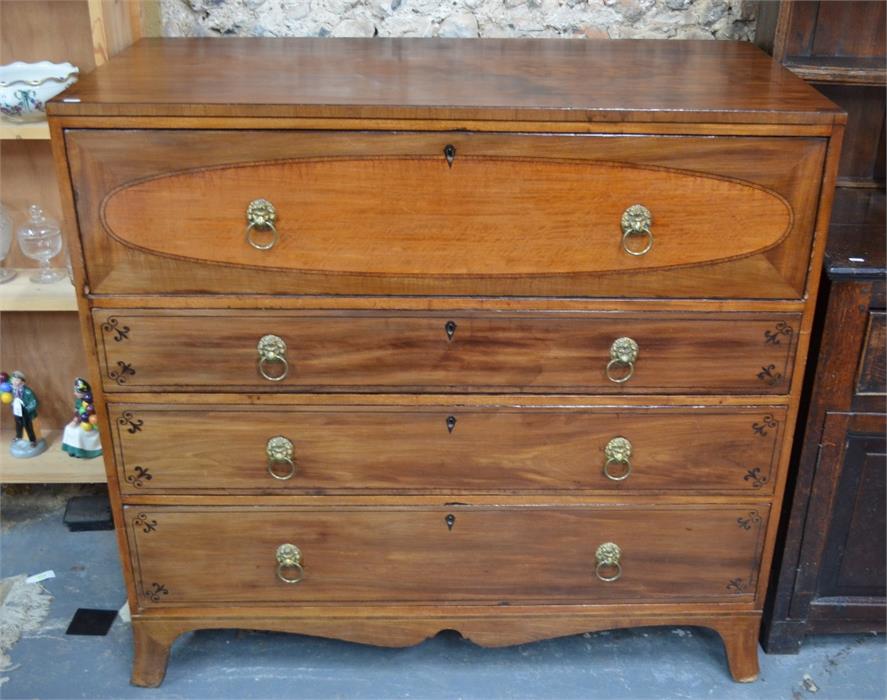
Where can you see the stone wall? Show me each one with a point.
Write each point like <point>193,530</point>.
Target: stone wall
<point>596,19</point>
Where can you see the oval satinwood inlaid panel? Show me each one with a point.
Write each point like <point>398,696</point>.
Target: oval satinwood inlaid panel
<point>491,216</point>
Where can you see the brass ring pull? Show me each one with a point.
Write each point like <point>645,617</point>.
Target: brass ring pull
<point>260,214</point>
<point>607,557</point>
<point>289,557</point>
<point>623,353</point>
<point>636,221</point>
<point>618,451</point>
<point>280,450</point>
<point>272,349</point>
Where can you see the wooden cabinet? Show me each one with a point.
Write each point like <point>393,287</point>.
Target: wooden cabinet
<point>512,355</point>
<point>832,575</point>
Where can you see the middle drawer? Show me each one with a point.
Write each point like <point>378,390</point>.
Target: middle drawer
<point>346,449</point>
<point>591,352</point>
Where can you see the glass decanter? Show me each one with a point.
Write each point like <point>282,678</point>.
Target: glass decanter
<point>41,239</point>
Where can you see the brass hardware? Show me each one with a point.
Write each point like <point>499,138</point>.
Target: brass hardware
<point>261,214</point>
<point>618,451</point>
<point>450,154</point>
<point>636,221</point>
<point>451,423</point>
<point>607,557</point>
<point>289,557</point>
<point>450,329</point>
<point>272,349</point>
<point>280,450</point>
<point>450,520</point>
<point>623,353</point>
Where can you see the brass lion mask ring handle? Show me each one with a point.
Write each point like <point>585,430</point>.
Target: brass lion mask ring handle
<point>272,351</point>
<point>608,568</point>
<point>618,451</point>
<point>280,450</point>
<point>260,216</point>
<point>289,560</point>
<point>623,355</point>
<point>636,221</point>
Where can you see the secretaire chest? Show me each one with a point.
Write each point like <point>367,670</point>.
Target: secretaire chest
<point>395,336</point>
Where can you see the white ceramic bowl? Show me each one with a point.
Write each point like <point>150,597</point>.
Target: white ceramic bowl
<point>25,88</point>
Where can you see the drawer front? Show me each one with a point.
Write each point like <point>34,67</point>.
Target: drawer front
<point>445,213</point>
<point>347,449</point>
<point>228,555</point>
<point>675,353</point>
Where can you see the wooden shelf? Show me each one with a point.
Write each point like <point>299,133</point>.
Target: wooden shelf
<point>32,131</point>
<point>52,467</point>
<point>835,69</point>
<point>20,294</point>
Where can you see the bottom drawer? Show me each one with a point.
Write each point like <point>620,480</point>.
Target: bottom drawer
<point>485,554</point>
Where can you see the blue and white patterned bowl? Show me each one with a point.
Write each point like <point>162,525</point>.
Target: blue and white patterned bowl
<point>25,88</point>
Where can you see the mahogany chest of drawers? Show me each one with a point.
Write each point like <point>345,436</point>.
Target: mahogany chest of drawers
<point>395,336</point>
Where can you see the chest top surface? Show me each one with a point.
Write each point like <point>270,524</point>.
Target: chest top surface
<point>496,79</point>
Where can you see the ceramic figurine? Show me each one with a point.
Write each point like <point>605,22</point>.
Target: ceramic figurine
<point>81,437</point>
<point>15,392</point>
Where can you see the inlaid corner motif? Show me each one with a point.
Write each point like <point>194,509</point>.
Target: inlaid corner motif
<point>771,337</point>
<point>737,585</point>
<point>769,375</point>
<point>140,476</point>
<point>124,369</point>
<point>746,522</point>
<point>127,418</point>
<point>156,591</point>
<point>767,421</point>
<point>112,325</point>
<point>142,521</point>
<point>756,477</point>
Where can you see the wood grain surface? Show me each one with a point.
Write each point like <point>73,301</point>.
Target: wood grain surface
<point>445,449</point>
<point>383,213</point>
<point>505,79</point>
<point>505,555</point>
<point>402,216</point>
<point>678,353</point>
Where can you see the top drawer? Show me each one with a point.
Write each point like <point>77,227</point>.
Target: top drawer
<point>445,213</point>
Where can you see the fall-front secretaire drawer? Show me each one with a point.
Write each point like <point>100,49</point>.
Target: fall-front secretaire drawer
<point>505,554</point>
<point>467,352</point>
<point>194,211</point>
<point>348,448</point>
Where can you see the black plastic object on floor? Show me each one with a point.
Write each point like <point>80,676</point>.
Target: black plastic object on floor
<point>91,622</point>
<point>88,513</point>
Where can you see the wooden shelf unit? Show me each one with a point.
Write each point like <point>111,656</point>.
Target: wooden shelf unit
<point>38,326</point>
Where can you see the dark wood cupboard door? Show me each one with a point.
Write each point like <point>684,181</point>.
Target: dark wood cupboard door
<point>854,561</point>
<point>842,569</point>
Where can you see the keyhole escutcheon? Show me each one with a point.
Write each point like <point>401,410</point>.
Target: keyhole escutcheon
<point>450,520</point>
<point>450,154</point>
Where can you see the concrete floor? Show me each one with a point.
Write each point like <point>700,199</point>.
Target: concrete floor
<point>645,663</point>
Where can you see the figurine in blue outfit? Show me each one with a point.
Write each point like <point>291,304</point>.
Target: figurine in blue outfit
<point>23,402</point>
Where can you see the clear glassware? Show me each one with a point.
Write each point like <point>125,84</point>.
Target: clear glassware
<point>5,243</point>
<point>41,239</point>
